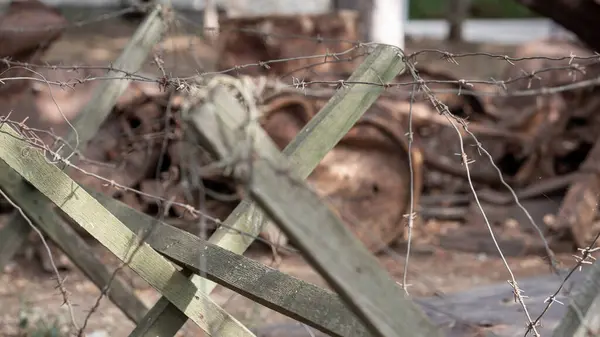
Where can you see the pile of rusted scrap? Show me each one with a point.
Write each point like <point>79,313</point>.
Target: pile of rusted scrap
<point>542,140</point>
<point>542,144</point>
<point>27,29</point>
<point>141,147</point>
<point>540,130</point>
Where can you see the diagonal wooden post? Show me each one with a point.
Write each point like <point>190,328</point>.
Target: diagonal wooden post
<point>87,212</point>
<point>583,311</point>
<point>307,149</point>
<point>305,302</point>
<point>324,240</point>
<point>86,126</point>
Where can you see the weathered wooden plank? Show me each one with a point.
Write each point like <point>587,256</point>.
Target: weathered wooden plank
<point>36,206</point>
<point>480,306</point>
<point>486,311</point>
<point>358,278</point>
<point>86,125</point>
<point>312,305</point>
<point>83,209</point>
<point>105,96</point>
<point>490,305</point>
<point>89,120</point>
<point>582,318</point>
<point>322,309</point>
<point>493,306</point>
<point>290,296</point>
<point>306,151</point>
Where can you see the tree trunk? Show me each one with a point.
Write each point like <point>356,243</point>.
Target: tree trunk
<point>578,16</point>
<point>456,15</point>
<point>364,9</point>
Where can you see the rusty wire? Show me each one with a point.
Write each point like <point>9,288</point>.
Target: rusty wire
<point>321,88</point>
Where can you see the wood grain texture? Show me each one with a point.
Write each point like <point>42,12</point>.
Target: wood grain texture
<point>309,147</point>
<point>486,311</point>
<point>357,277</point>
<point>105,96</point>
<point>582,318</point>
<point>300,300</point>
<point>37,209</point>
<point>336,253</point>
<point>83,209</point>
<point>90,119</point>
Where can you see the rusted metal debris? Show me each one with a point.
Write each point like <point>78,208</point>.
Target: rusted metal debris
<point>314,46</point>
<point>558,142</point>
<point>539,143</point>
<point>141,146</point>
<point>27,29</point>
<point>579,208</point>
<point>361,175</point>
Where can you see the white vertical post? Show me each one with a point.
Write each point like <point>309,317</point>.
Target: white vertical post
<point>197,5</point>
<point>387,22</point>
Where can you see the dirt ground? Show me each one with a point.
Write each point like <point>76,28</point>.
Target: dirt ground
<point>27,291</point>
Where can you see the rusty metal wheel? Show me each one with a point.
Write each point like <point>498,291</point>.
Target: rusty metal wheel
<point>366,177</point>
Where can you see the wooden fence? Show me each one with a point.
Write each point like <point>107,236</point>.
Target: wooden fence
<point>366,301</point>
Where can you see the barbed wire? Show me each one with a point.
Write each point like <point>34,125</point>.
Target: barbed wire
<point>327,85</point>
<point>60,281</point>
<point>323,88</point>
<point>443,110</point>
<point>585,258</point>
